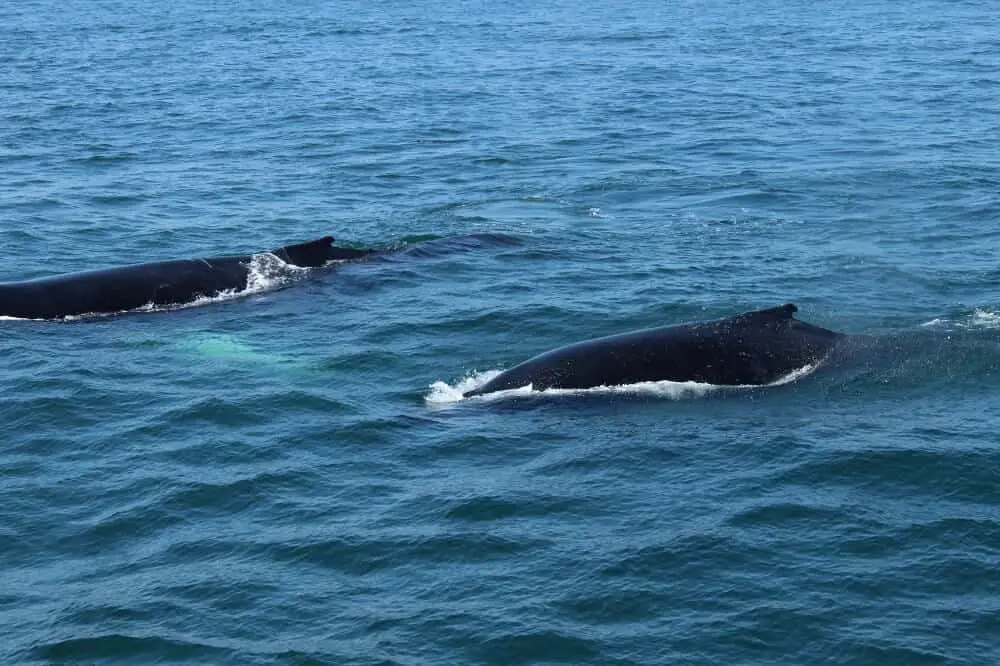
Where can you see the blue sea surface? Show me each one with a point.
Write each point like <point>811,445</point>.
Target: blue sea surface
<point>292,477</point>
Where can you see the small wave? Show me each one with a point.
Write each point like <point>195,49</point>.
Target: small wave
<point>452,244</point>
<point>442,393</point>
<point>112,646</point>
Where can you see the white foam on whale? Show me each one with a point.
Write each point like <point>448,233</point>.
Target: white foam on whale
<point>267,272</point>
<point>441,393</point>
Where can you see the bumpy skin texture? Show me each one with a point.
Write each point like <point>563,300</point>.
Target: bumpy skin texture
<point>756,347</point>
<point>159,283</point>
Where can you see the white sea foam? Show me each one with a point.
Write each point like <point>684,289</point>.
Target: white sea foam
<point>267,272</point>
<point>980,318</point>
<point>795,375</point>
<point>983,318</point>
<point>442,393</point>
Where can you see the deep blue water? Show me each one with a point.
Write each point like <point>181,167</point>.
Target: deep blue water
<point>288,477</point>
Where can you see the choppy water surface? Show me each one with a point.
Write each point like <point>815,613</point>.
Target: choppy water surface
<point>290,477</point>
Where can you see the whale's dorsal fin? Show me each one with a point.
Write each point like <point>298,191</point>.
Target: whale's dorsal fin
<point>311,254</point>
<point>778,313</point>
<point>782,311</point>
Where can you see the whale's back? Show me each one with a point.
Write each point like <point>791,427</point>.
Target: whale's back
<point>756,348</point>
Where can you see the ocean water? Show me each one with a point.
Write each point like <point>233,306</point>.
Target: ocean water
<point>290,477</point>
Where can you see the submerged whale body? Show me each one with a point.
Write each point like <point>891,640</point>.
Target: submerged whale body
<point>160,283</point>
<point>752,348</point>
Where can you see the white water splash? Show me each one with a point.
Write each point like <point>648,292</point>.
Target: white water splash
<point>794,375</point>
<point>446,394</point>
<point>980,318</point>
<point>268,272</point>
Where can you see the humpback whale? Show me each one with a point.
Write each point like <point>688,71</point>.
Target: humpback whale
<point>159,283</point>
<point>751,348</point>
